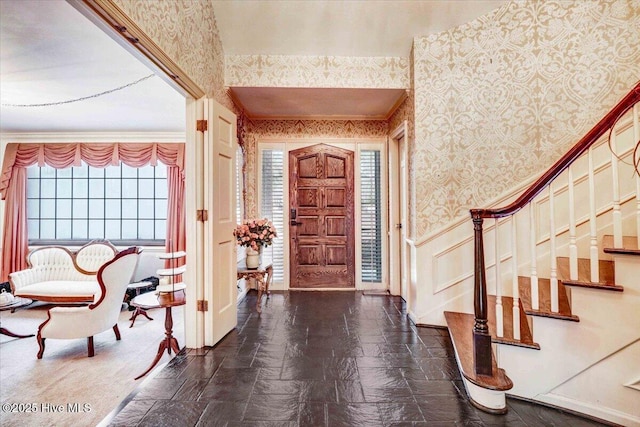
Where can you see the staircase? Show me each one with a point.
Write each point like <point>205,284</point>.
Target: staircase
<point>561,322</point>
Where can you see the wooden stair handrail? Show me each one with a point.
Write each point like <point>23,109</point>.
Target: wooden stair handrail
<point>565,161</point>
<point>482,353</point>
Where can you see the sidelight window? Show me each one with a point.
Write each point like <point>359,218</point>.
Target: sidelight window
<point>272,205</point>
<point>371,216</point>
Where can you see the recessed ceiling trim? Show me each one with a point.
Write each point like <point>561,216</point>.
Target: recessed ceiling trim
<point>318,117</point>
<point>397,105</point>
<point>118,25</point>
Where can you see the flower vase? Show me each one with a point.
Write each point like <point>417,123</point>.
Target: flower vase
<point>253,258</point>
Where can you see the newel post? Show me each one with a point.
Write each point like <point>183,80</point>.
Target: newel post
<point>481,336</point>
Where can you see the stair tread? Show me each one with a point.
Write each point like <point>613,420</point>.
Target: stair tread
<point>629,245</point>
<point>606,270</point>
<point>460,328</point>
<point>526,338</point>
<point>544,298</point>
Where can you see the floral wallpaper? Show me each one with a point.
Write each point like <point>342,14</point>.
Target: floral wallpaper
<point>186,31</point>
<point>317,71</point>
<point>502,97</point>
<point>297,129</point>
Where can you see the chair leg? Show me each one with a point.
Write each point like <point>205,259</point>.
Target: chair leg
<point>41,345</point>
<point>116,331</point>
<point>90,346</point>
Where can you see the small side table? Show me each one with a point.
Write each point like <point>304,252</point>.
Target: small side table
<point>137,286</point>
<point>262,274</point>
<point>166,301</point>
<point>17,303</point>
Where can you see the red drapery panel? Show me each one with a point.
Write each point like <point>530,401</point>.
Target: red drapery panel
<point>13,183</point>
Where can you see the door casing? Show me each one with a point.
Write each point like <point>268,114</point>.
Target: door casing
<point>357,145</point>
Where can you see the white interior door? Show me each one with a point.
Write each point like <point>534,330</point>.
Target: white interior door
<point>404,288</point>
<point>220,202</point>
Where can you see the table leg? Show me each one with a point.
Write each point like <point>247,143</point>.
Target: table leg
<point>268,280</point>
<point>137,312</point>
<point>261,289</point>
<point>7,332</point>
<point>169,342</point>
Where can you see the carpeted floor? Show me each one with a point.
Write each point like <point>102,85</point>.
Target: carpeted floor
<point>45,392</point>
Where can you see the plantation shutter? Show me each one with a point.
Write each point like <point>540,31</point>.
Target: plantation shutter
<point>272,206</point>
<point>239,186</point>
<point>371,216</point>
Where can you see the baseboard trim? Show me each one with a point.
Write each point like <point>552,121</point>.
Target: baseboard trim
<point>591,412</point>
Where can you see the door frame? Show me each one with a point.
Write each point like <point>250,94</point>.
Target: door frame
<point>356,145</point>
<point>398,185</point>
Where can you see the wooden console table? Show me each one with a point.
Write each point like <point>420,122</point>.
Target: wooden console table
<point>166,300</point>
<point>262,274</point>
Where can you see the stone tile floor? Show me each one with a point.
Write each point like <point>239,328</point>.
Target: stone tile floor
<point>322,359</point>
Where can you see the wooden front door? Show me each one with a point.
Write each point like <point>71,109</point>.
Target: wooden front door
<point>321,217</point>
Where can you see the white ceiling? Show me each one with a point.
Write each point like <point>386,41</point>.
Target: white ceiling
<point>50,53</point>
<point>338,28</point>
<point>361,28</point>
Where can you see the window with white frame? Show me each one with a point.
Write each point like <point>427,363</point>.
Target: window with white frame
<point>124,204</point>
<point>371,216</point>
<point>272,205</point>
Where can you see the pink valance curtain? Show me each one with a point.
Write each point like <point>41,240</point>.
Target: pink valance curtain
<point>13,185</point>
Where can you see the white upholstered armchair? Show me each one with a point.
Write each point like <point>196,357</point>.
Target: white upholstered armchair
<point>102,314</point>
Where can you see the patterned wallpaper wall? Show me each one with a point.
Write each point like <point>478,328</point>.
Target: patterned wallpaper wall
<point>317,71</point>
<point>501,98</point>
<point>186,31</point>
<point>286,130</point>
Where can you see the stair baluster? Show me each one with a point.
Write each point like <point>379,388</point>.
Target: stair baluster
<point>617,213</point>
<point>573,247</point>
<point>593,241</point>
<point>499,308</point>
<point>514,268</point>
<point>535,297</point>
<point>555,307</point>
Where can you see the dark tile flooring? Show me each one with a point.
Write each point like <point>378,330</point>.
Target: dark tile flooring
<point>322,359</point>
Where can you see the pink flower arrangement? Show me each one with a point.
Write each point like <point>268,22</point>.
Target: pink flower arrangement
<point>254,233</point>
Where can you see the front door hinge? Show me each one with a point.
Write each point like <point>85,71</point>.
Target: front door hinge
<point>201,125</point>
<point>203,305</point>
<point>202,215</point>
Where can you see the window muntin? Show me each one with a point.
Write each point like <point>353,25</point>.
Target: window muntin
<point>124,204</point>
